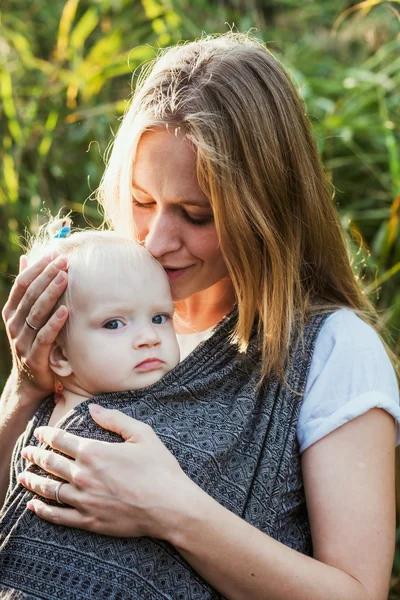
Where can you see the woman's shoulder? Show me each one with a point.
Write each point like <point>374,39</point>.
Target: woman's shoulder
<point>345,327</point>
<point>350,373</point>
<point>348,342</point>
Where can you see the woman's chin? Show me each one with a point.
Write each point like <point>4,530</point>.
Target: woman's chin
<point>181,292</point>
<point>220,288</point>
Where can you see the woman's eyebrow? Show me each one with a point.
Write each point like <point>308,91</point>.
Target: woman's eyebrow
<point>189,201</point>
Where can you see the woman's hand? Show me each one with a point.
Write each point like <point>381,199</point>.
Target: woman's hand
<point>33,296</point>
<point>131,489</point>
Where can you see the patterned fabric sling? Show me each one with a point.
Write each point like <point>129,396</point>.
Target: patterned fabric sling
<point>236,441</point>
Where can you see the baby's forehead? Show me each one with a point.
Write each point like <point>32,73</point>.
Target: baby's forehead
<point>133,281</point>
<point>119,260</point>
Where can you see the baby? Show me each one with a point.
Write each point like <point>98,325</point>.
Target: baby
<point>119,334</point>
<point>119,337</point>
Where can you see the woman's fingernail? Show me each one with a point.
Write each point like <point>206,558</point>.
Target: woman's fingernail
<point>61,312</point>
<point>21,477</point>
<point>60,278</point>
<point>38,433</point>
<point>30,505</point>
<point>60,262</point>
<point>95,409</point>
<point>22,262</point>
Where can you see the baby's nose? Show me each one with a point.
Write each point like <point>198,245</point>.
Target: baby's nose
<point>147,336</point>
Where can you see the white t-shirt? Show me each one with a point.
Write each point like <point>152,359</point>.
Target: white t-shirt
<point>350,373</point>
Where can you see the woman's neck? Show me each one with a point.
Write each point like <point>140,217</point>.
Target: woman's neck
<point>205,309</point>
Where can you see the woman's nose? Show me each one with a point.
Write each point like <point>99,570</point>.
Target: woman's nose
<point>146,336</point>
<point>163,235</point>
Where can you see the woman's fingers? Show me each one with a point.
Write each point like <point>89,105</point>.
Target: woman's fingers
<point>42,294</point>
<point>45,337</point>
<point>40,310</point>
<point>43,486</point>
<point>61,516</point>
<point>58,439</point>
<point>23,262</point>
<point>49,461</point>
<point>32,299</point>
<point>33,295</point>
<point>22,283</point>
<point>131,430</point>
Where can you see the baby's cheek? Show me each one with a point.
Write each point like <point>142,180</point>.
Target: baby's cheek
<point>173,351</point>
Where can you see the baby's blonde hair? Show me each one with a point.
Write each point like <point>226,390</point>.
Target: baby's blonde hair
<point>86,250</point>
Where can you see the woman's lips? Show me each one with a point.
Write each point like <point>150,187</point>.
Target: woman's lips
<point>174,274</point>
<point>150,364</point>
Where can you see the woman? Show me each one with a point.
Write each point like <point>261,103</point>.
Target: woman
<point>216,170</point>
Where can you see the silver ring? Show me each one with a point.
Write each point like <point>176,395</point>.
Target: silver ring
<point>31,326</point>
<point>57,491</point>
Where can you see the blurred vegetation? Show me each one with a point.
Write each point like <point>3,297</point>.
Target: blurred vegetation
<point>66,70</point>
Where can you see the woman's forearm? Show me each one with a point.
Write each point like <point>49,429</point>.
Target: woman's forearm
<point>16,408</point>
<point>241,562</point>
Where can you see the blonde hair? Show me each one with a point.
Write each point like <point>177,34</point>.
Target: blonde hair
<point>86,250</point>
<point>257,161</point>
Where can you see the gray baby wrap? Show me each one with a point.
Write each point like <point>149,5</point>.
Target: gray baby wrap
<point>236,441</point>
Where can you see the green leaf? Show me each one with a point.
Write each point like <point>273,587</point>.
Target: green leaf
<point>105,48</point>
<point>10,177</point>
<point>391,146</point>
<point>86,24</point>
<point>66,20</point>
<point>382,279</point>
<point>50,125</point>
<point>9,107</point>
<point>152,8</point>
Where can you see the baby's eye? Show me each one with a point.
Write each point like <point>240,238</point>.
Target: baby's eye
<point>114,324</point>
<point>159,319</point>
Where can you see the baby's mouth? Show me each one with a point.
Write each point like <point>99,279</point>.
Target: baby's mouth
<point>149,364</point>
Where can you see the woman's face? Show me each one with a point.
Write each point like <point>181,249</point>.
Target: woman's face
<point>173,216</point>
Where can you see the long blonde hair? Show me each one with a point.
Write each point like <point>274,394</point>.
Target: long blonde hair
<point>258,163</point>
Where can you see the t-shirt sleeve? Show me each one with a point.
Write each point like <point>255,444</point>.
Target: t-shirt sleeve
<point>350,373</point>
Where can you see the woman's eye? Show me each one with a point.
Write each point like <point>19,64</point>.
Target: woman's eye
<point>142,204</point>
<point>114,324</point>
<point>159,319</point>
<point>198,220</point>
<point>206,220</point>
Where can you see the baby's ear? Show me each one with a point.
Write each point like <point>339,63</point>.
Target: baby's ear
<point>58,361</point>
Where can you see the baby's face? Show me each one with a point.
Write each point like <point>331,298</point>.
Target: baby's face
<point>121,335</point>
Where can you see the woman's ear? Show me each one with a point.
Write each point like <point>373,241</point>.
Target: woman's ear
<point>58,361</point>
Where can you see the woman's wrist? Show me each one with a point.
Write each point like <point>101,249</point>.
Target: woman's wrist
<point>19,392</point>
<point>193,506</point>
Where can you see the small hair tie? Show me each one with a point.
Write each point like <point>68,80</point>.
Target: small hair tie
<point>63,232</point>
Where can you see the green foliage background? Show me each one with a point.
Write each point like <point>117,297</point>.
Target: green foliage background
<point>66,71</point>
